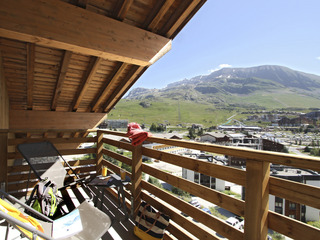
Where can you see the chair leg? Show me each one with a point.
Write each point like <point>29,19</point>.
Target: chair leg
<point>7,232</point>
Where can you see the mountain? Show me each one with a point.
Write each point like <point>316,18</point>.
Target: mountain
<point>228,85</point>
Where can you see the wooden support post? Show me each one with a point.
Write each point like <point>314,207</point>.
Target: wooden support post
<point>136,179</point>
<point>99,156</point>
<point>4,126</point>
<point>256,200</point>
<point>3,161</point>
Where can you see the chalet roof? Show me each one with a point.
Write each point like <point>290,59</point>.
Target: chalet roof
<point>215,134</point>
<point>66,60</point>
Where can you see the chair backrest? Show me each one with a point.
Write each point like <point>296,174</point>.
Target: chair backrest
<point>44,160</point>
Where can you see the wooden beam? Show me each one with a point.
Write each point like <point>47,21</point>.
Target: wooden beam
<point>109,84</point>
<point>124,8</point>
<point>136,178</point>
<point>82,3</point>
<point>160,14</point>
<point>132,75</point>
<point>257,200</point>
<point>62,74</point>
<point>174,23</point>
<point>20,119</point>
<point>99,153</point>
<point>4,99</point>
<point>92,68</point>
<point>3,161</point>
<point>61,25</point>
<point>30,73</point>
<point>4,124</point>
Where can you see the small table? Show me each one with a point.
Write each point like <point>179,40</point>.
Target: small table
<point>111,181</point>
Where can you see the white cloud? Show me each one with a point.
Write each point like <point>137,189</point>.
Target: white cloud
<point>318,58</point>
<point>225,65</point>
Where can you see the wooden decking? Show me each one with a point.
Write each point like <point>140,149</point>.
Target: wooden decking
<point>121,227</point>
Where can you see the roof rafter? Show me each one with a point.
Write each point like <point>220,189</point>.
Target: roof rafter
<point>57,24</point>
<point>183,17</point>
<point>30,73</point>
<point>164,8</point>
<point>61,76</point>
<point>109,83</point>
<point>117,94</point>
<point>123,9</point>
<point>92,68</point>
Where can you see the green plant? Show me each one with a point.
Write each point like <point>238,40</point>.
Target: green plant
<point>215,212</point>
<point>179,192</point>
<point>154,181</point>
<point>229,192</point>
<point>277,236</point>
<point>315,152</point>
<point>315,224</point>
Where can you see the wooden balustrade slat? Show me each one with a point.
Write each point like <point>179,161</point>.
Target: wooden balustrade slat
<point>114,133</point>
<point>73,163</point>
<point>304,162</point>
<point>229,203</point>
<point>189,226</point>
<point>117,156</point>
<point>62,152</point>
<point>222,172</point>
<point>17,141</point>
<point>119,144</point>
<point>291,227</point>
<point>295,192</point>
<point>179,232</point>
<point>210,221</point>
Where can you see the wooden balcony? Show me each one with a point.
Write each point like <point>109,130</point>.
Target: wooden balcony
<point>256,179</point>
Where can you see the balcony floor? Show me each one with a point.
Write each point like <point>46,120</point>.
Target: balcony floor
<point>121,228</point>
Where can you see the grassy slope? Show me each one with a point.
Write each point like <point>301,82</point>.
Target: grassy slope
<point>278,100</point>
<point>167,110</point>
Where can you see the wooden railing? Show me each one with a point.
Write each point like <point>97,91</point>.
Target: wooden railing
<point>256,179</point>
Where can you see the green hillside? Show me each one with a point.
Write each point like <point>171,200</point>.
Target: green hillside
<point>212,99</point>
<point>175,112</point>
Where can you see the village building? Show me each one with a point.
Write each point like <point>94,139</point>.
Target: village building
<point>214,137</point>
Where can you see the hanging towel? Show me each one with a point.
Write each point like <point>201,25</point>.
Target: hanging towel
<point>136,134</point>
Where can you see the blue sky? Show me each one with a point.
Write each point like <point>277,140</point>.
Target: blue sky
<point>243,33</point>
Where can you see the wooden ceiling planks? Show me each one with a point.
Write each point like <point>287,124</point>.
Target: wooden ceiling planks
<point>93,66</point>
<point>30,73</point>
<point>62,75</point>
<point>47,68</point>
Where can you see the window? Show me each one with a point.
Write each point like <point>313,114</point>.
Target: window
<point>278,203</point>
<point>292,206</point>
<point>205,180</point>
<point>292,216</point>
<point>213,183</point>
<point>196,177</point>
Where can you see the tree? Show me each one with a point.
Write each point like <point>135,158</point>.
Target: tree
<point>153,127</point>
<point>307,149</point>
<point>200,132</point>
<point>192,134</point>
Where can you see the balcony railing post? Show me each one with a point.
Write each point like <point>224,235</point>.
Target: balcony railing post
<point>136,178</point>
<point>99,156</point>
<point>256,200</point>
<point>3,160</point>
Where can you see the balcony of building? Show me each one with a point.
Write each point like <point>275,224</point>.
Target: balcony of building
<point>64,64</point>
<point>255,179</point>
